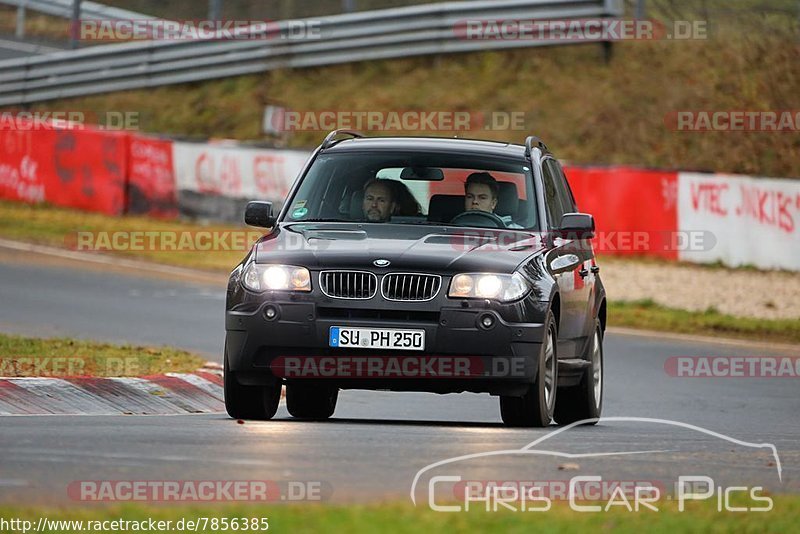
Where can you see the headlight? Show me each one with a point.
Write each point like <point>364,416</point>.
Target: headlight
<point>258,278</point>
<point>501,287</point>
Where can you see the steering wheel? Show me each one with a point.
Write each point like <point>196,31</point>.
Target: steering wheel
<point>476,217</point>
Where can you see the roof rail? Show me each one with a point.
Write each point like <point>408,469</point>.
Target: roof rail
<point>330,139</point>
<point>529,144</point>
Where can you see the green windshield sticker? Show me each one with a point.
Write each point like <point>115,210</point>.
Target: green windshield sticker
<point>299,213</point>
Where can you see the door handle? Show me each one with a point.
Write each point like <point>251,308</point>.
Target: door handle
<point>584,272</point>
<point>595,269</point>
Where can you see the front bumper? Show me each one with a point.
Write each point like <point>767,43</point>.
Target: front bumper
<point>500,360</point>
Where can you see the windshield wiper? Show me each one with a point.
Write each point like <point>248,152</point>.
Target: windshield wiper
<point>319,220</point>
<point>422,223</point>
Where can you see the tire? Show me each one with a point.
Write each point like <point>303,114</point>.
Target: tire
<point>536,407</point>
<point>249,402</point>
<point>311,401</point>
<point>585,401</point>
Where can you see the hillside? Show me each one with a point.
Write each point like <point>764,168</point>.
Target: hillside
<point>587,111</point>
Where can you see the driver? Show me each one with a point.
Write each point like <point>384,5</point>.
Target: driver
<point>379,203</point>
<point>481,192</point>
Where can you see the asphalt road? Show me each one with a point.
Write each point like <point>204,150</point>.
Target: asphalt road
<point>377,441</point>
<point>56,300</point>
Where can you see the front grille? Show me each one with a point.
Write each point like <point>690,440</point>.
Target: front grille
<point>359,285</point>
<point>410,286</point>
<point>415,316</point>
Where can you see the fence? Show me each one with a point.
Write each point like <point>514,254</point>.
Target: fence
<point>374,35</point>
<point>63,9</point>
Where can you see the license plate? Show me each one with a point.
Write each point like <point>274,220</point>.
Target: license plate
<point>376,338</point>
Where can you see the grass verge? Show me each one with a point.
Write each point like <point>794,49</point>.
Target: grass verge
<point>403,518</point>
<point>48,225</point>
<point>24,356</point>
<point>648,315</point>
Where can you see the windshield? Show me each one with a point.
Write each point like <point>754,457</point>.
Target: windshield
<point>416,188</point>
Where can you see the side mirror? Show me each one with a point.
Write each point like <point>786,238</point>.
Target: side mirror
<point>564,263</point>
<point>577,226</point>
<point>259,213</point>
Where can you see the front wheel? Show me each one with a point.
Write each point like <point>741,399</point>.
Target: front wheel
<point>249,402</point>
<point>536,407</point>
<point>585,401</point>
<point>311,401</point>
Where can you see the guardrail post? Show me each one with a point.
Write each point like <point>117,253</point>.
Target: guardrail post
<point>286,10</point>
<point>214,9</point>
<point>20,31</point>
<point>640,9</point>
<point>348,6</point>
<point>608,51</point>
<point>75,26</point>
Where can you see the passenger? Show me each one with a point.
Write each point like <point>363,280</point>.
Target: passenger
<point>407,204</point>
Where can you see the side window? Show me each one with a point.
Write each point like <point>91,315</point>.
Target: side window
<point>552,195</point>
<point>568,200</point>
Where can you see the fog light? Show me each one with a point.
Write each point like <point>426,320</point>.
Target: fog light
<point>487,321</point>
<point>270,313</point>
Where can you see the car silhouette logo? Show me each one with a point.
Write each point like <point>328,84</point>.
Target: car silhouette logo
<point>381,263</point>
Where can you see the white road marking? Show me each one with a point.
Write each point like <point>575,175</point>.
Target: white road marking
<point>106,260</point>
<point>691,338</point>
<point>71,454</point>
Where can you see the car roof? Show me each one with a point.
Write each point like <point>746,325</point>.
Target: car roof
<point>434,144</point>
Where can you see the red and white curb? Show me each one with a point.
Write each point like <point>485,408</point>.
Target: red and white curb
<point>167,394</point>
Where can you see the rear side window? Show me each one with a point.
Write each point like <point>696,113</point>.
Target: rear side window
<point>554,197</point>
<point>567,199</point>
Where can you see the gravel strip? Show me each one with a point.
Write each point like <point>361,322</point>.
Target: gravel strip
<point>742,293</point>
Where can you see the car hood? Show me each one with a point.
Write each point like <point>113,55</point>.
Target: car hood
<point>414,247</point>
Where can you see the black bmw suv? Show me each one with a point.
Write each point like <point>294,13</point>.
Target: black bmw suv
<point>420,264</point>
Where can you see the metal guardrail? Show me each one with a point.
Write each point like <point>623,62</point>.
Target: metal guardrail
<point>371,35</point>
<point>89,10</point>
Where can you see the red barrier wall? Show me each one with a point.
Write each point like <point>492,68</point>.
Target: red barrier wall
<point>89,169</point>
<point>115,172</point>
<point>635,209</point>
<point>82,169</point>
<point>151,177</point>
